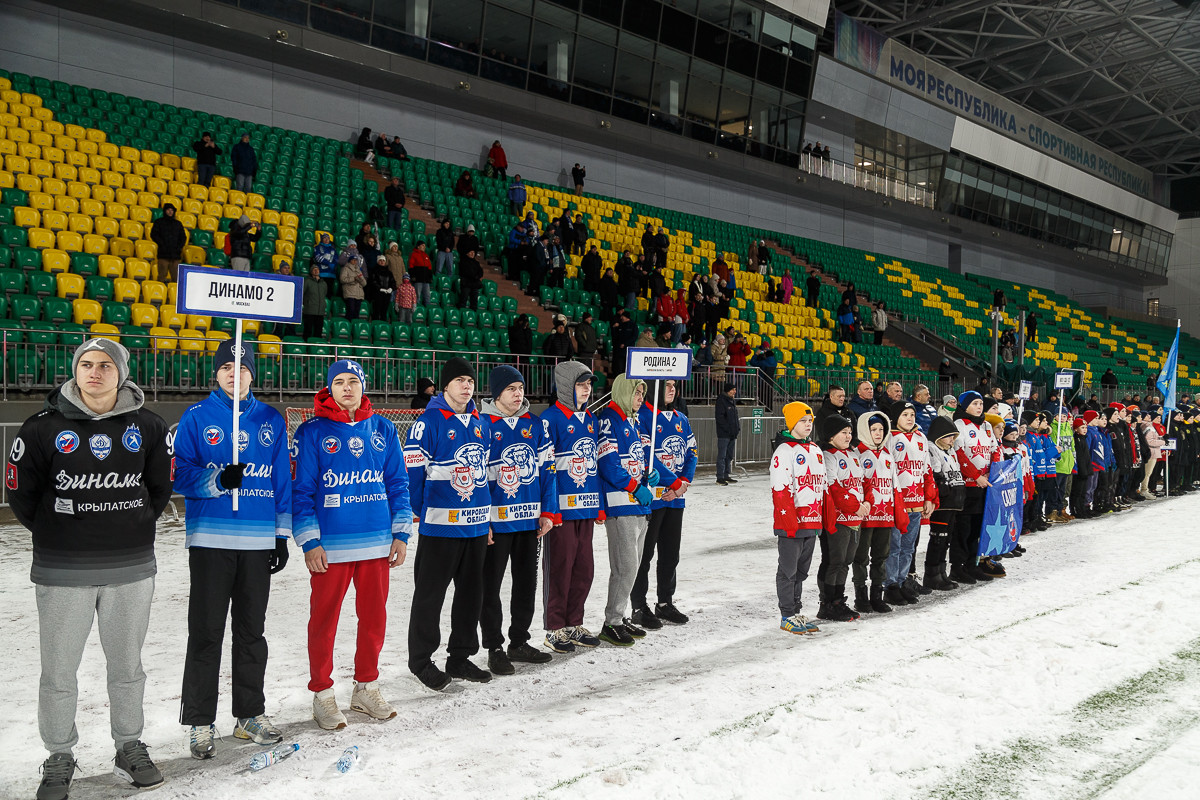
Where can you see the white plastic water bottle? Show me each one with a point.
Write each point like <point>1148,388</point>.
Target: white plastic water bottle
<point>269,757</point>
<point>348,759</point>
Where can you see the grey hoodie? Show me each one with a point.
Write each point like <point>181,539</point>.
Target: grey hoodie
<point>489,407</point>
<point>566,375</point>
<point>66,400</point>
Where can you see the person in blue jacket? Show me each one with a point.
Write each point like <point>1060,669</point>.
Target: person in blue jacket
<point>231,555</point>
<point>627,481</point>
<point>524,509</point>
<point>674,446</point>
<point>447,458</point>
<point>351,517</point>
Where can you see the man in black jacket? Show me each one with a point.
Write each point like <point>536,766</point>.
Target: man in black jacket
<point>728,428</point>
<point>558,345</point>
<point>206,158</point>
<point>469,243</point>
<point>89,476</point>
<point>585,340</point>
<point>393,198</point>
<point>834,402</point>
<point>580,231</point>
<point>444,241</point>
<point>241,246</point>
<point>591,266</point>
<point>245,164</point>
<point>812,289</point>
<point>170,237</point>
<point>470,277</point>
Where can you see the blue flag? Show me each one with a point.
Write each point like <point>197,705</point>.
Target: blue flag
<point>1003,508</point>
<point>1166,378</point>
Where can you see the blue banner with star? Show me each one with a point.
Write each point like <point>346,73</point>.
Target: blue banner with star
<point>1002,509</point>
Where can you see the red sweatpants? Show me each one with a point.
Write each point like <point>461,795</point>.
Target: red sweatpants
<point>370,579</point>
<point>567,577</point>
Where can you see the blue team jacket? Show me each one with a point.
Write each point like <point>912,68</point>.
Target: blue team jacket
<point>350,495</point>
<point>204,447</point>
<point>572,435</point>
<point>520,471</point>
<point>447,457</point>
<point>674,446</point>
<point>623,461</point>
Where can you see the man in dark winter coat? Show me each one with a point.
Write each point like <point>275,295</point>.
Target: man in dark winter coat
<point>470,276</point>
<point>812,289</point>
<point>591,266</point>
<point>444,239</point>
<point>581,234</point>
<point>834,402</point>
<point>245,164</point>
<point>424,393</point>
<point>863,400</point>
<point>206,158</point>
<point>558,344</point>
<point>469,243</point>
<point>585,340</point>
<point>393,198</point>
<point>170,237</point>
<point>728,428</point>
<point>243,233</point>
<point>89,477</point>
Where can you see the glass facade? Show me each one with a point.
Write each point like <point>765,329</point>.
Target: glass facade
<point>981,192</point>
<point>725,72</point>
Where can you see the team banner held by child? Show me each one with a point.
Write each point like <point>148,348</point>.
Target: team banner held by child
<point>1002,508</point>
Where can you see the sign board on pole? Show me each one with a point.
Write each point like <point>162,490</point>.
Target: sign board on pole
<point>1063,380</point>
<point>1025,390</point>
<point>756,426</point>
<point>239,295</point>
<point>1171,444</point>
<point>656,363</point>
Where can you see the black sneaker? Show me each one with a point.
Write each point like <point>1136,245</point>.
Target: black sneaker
<point>731,480</point>
<point>843,612</point>
<point>132,763</point>
<point>993,569</point>
<point>433,678</point>
<point>527,654</point>
<point>616,635</point>
<point>464,669</point>
<point>632,630</point>
<point>667,612</point>
<point>893,595</point>
<point>57,771</point>
<point>645,617</point>
<point>722,482</point>
<point>499,663</point>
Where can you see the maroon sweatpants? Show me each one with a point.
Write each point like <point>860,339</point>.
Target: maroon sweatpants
<point>567,577</point>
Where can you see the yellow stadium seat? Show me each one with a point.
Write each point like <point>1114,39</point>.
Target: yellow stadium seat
<point>108,149</point>
<point>279,258</point>
<point>99,161</point>
<point>121,247</point>
<point>104,194</point>
<point>95,244</point>
<point>269,345</point>
<point>255,201</point>
<point>121,166</point>
<point>236,197</point>
<point>54,220</point>
<point>209,222</point>
<point>143,315</point>
<point>104,330</point>
<point>192,341</point>
<point>270,216</point>
<point>116,210</point>
<point>250,327</point>
<point>145,249</point>
<point>199,322</point>
<point>186,175</point>
<point>89,175</point>
<point>287,249</point>
<point>217,195</point>
<point>153,292</point>
<point>150,157</point>
<point>41,201</point>
<point>54,186</point>
<point>70,286</point>
<point>137,269</point>
<point>107,226</point>
<point>141,172</point>
<point>57,261</point>
<point>110,267</point>
<point>69,241</point>
<point>142,214</point>
<point>28,150</point>
<point>164,338</point>
<point>129,153</point>
<point>170,318</point>
<point>27,217</point>
<point>76,159</point>
<point>130,229</point>
<point>289,220</point>
<point>193,254</point>
<point>186,220</point>
<point>172,294</point>
<point>192,207</point>
<point>156,186</point>
<point>86,312</point>
<point>230,211</point>
<point>126,290</point>
<point>197,192</point>
<point>80,191</point>
<point>40,238</point>
<point>177,188</point>
<point>27,182</point>
<point>214,339</point>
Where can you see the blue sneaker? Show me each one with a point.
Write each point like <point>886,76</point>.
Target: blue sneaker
<point>797,624</point>
<point>583,637</point>
<point>560,641</point>
<point>258,730</point>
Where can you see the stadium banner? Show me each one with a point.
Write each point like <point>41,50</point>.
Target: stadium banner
<point>887,60</point>
<point>1003,508</point>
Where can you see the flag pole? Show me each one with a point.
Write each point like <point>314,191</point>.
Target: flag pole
<point>237,396</point>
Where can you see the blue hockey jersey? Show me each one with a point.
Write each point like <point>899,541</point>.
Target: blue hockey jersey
<point>350,495</point>
<point>447,457</point>
<point>623,462</point>
<point>572,435</point>
<point>674,446</point>
<point>204,447</point>
<point>520,471</point>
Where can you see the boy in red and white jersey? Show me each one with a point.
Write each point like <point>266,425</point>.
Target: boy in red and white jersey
<point>976,449</point>
<point>844,512</point>
<point>879,489</point>
<point>918,493</point>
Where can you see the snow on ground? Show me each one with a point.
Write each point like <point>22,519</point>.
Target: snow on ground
<point>1076,676</point>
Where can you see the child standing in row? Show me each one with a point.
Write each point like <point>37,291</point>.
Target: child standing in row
<point>798,484</point>
<point>844,512</point>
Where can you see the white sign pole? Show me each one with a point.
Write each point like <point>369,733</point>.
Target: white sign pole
<point>654,426</point>
<point>1167,463</point>
<point>237,395</point>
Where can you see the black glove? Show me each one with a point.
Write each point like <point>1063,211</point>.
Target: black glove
<point>231,476</point>
<point>279,558</point>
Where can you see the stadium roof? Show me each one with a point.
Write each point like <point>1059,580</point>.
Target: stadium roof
<point>1123,73</point>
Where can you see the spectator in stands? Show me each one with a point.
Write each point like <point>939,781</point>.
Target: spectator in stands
<point>395,262</point>
<point>325,259</point>
<point>925,411</point>
<point>169,237</point>
<point>421,272</point>
<point>369,250</point>
<point>538,265</point>
<point>728,428</point>
<point>786,288</point>
<point>578,173</point>
<point>349,252</point>
<point>557,274</point>
<point>627,281</point>
<point>242,234</point>
<point>245,164</point>
<point>531,225</point>
<point>834,402</point>
<point>893,395</point>
<point>361,238</point>
<point>813,288</point>
<point>764,360</point>
<point>353,281</point>
<point>465,186</point>
<point>1108,386</point>
<point>825,153</point>
<point>581,235</point>
<point>718,351</point>
<point>845,320</point>
<point>470,280</point>
<point>752,256</point>
<point>609,293</point>
<point>498,161</point>
<point>363,148</point>
<point>662,243</point>
<point>680,320</point>
<point>424,393</point>
<point>585,339</point>
<point>444,243</point>
<point>469,243</point>
<point>398,149</point>
<point>720,267</point>
<point>863,400</point>
<point>999,301</point>
<point>206,158</point>
<point>520,339</point>
<point>949,406</point>
<point>393,198</point>
<point>623,333</point>
<point>381,287</point>
<point>738,350</point>
<point>658,285</point>
<point>406,300</point>
<point>850,296</point>
<point>558,345</point>
<point>517,195</point>
<point>1031,323</point>
<point>879,320</point>
<point>316,293</point>
<point>764,256</point>
<point>648,248</point>
<point>590,266</point>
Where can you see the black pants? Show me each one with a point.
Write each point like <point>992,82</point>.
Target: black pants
<point>379,306</point>
<point>524,550</point>
<point>314,326</point>
<point>468,293</point>
<point>870,557</point>
<point>664,531</point>
<point>440,560</point>
<point>1078,496</point>
<point>837,551</point>
<point>878,337</point>
<point>352,306</point>
<point>221,579</point>
<point>941,528</point>
<point>964,542</point>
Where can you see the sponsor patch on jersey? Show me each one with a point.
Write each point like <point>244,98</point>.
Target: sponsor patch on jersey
<point>64,505</point>
<point>841,464</point>
<point>378,441</point>
<point>66,442</point>
<point>10,476</point>
<point>497,436</point>
<point>356,446</point>
<point>868,464</point>
<point>590,429</point>
<point>899,447</point>
<point>132,439</point>
<point>331,444</point>
<point>971,434</point>
<point>509,480</point>
<point>101,445</point>
<point>214,435</point>
<point>17,450</point>
<point>478,432</point>
<point>449,433</point>
<point>571,429</point>
<point>452,517</point>
<point>526,433</point>
<point>679,427</point>
<point>266,434</point>
<point>243,440</point>
<point>333,501</point>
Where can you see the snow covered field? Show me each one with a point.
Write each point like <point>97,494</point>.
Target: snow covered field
<point>1078,676</point>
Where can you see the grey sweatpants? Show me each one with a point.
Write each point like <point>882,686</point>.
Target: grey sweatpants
<point>626,536</point>
<point>795,556</point>
<point>65,615</point>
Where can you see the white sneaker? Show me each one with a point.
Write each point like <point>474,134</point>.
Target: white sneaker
<point>368,700</point>
<point>326,712</point>
<point>200,741</point>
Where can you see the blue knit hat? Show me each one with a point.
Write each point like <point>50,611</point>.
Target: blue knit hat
<point>501,378</point>
<point>966,398</point>
<point>345,365</point>
<point>224,355</point>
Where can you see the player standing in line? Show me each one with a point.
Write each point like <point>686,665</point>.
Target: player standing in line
<point>798,484</point>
